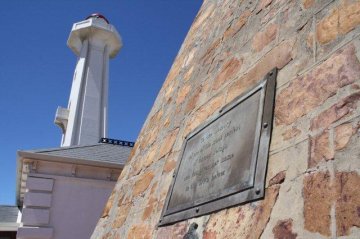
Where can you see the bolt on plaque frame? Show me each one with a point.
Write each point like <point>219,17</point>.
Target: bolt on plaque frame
<point>223,162</point>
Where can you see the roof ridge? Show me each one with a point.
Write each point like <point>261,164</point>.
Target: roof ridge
<point>67,148</point>
<point>43,150</point>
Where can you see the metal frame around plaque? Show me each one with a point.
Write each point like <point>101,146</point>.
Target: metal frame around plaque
<point>242,192</point>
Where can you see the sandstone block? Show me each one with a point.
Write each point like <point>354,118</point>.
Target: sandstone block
<point>247,221</point>
<point>183,92</point>
<point>277,57</point>
<point>349,16</point>
<point>309,91</point>
<point>343,134</point>
<point>173,73</point>
<point>149,208</point>
<point>318,199</point>
<point>189,56</point>
<point>168,143</point>
<point>263,4</point>
<point>227,72</point>
<point>291,133</point>
<point>170,92</point>
<point>155,119</point>
<point>150,156</point>
<point>153,189</point>
<point>308,3</point>
<point>210,52</point>
<point>262,39</point>
<point>125,196</point>
<point>193,100</point>
<point>283,230</point>
<point>121,215</point>
<point>320,149</point>
<point>151,136</point>
<point>188,73</point>
<point>347,202</point>
<point>202,16</point>
<point>204,112</point>
<point>341,20</point>
<point>278,178</point>
<point>167,121</point>
<point>170,164</point>
<point>143,183</point>
<point>209,235</point>
<point>164,185</point>
<point>236,27</point>
<point>139,231</point>
<point>108,235</point>
<point>310,40</point>
<point>327,29</point>
<point>336,112</point>
<point>177,231</point>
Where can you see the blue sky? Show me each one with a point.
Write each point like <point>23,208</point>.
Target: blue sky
<point>36,68</point>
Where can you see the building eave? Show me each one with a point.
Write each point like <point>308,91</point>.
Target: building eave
<point>60,159</point>
<point>11,227</point>
<point>21,155</point>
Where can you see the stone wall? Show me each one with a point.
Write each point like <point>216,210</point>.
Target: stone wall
<point>313,181</point>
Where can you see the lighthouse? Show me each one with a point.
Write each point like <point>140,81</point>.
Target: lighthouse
<point>62,191</point>
<point>94,41</point>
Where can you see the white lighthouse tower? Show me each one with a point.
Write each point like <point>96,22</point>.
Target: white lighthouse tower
<point>84,121</point>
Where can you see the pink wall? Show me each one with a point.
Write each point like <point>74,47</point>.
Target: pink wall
<point>61,202</point>
<point>77,206</point>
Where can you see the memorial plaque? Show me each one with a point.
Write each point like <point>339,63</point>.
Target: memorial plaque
<point>223,162</point>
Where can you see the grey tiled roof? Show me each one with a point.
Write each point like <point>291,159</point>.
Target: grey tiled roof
<point>8,214</point>
<point>97,152</point>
